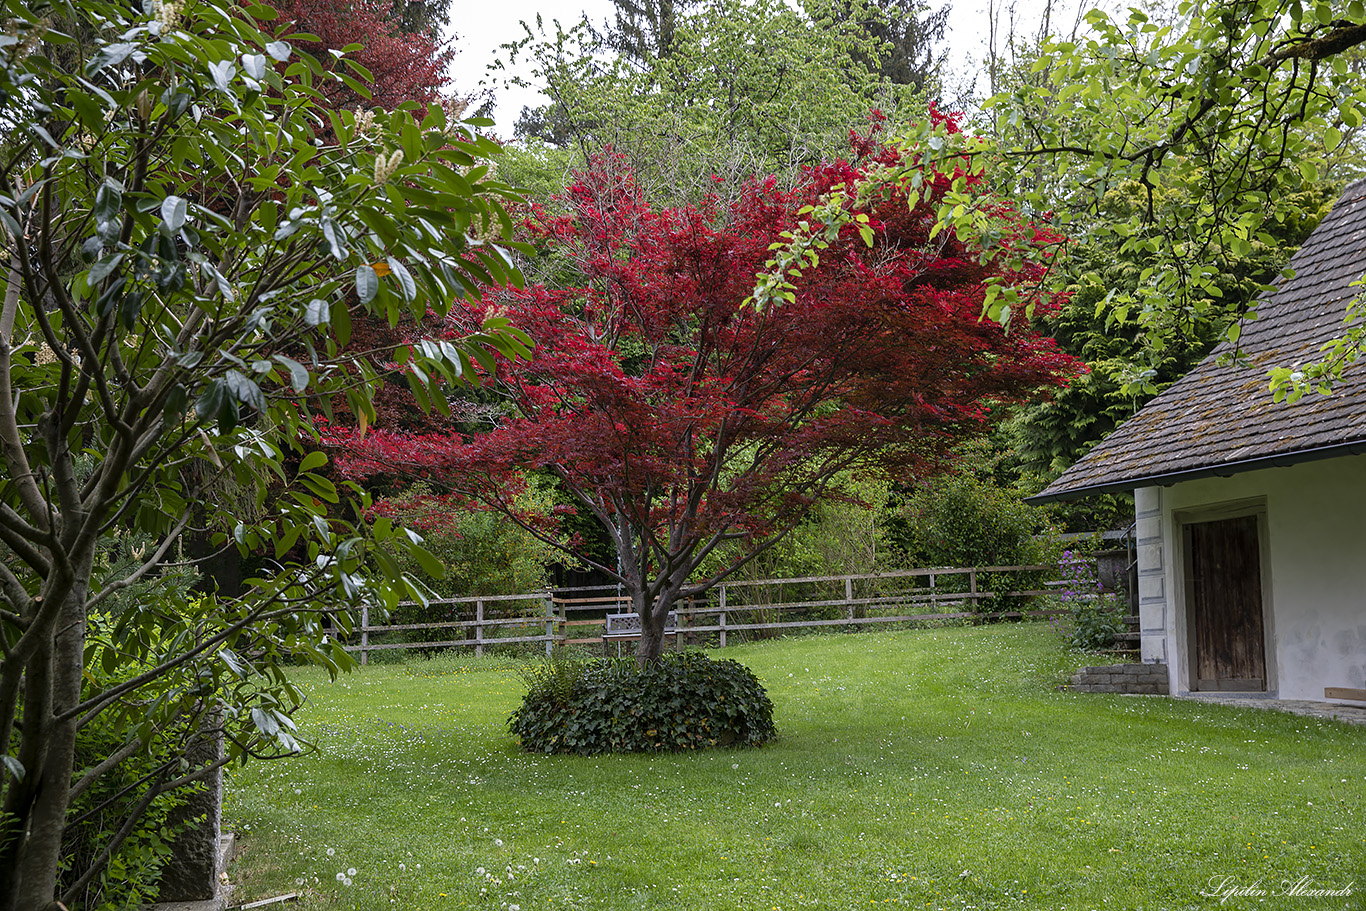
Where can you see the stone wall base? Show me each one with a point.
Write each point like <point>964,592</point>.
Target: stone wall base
<point>1140,679</point>
<point>227,847</point>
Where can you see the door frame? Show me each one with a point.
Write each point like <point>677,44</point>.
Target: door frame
<point>1184,631</point>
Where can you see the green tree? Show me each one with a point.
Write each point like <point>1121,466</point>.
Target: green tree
<point>186,234</point>
<point>746,87</point>
<point>909,34</point>
<point>1051,435</point>
<point>644,31</point>
<point>1242,105</point>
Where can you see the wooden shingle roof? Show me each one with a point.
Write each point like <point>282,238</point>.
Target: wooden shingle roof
<point>1220,419</point>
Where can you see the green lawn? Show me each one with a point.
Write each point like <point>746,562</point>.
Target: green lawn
<point>931,769</point>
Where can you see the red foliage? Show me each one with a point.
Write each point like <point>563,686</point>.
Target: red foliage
<point>406,67</point>
<point>681,419</point>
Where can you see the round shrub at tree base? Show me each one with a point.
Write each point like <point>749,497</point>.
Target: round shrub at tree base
<point>684,701</point>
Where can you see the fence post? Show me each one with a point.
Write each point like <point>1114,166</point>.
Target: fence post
<point>364,632</point>
<point>549,623</point>
<point>849,598</point>
<point>723,616</point>
<point>934,595</point>
<point>479,628</point>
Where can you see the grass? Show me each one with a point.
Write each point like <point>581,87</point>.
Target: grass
<point>931,769</point>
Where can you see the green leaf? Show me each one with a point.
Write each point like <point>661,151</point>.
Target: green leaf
<point>222,72</point>
<point>314,459</point>
<point>405,278</point>
<point>254,65</point>
<point>102,269</point>
<point>341,322</point>
<point>111,297</point>
<point>320,487</point>
<point>177,400</point>
<point>15,767</point>
<point>245,389</point>
<point>315,312</point>
<point>298,374</point>
<point>367,283</point>
<point>265,722</point>
<point>173,210</point>
<point>108,206</point>
<point>336,238</point>
<point>428,561</point>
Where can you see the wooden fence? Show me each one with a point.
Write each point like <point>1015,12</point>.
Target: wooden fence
<point>749,609</point>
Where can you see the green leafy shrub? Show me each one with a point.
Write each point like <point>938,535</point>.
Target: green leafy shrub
<point>961,520</point>
<point>133,873</point>
<point>1096,625</point>
<point>685,701</point>
<point>482,552</point>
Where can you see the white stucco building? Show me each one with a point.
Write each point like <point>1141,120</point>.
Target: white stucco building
<point>1251,515</point>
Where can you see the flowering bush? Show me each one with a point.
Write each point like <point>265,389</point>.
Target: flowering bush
<point>1093,617</point>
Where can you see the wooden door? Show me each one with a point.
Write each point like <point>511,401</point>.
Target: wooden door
<point>1224,605</point>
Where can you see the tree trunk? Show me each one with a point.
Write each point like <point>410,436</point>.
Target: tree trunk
<point>41,850</point>
<point>652,621</point>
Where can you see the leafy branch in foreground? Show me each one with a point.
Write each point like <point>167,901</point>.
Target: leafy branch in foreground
<point>1215,123</point>
<point>185,233</point>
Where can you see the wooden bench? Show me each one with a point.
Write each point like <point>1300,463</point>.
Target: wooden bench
<point>627,626</point>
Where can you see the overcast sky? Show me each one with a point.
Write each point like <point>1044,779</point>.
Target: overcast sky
<point>483,25</point>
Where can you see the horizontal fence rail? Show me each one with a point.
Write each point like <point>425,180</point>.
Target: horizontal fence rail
<point>749,609</point>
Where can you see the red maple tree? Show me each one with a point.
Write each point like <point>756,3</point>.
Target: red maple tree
<point>406,66</point>
<point>681,419</point>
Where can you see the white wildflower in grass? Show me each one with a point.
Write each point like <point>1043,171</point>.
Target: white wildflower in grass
<point>331,851</point>
<point>498,842</point>
<point>351,871</point>
<point>341,877</point>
